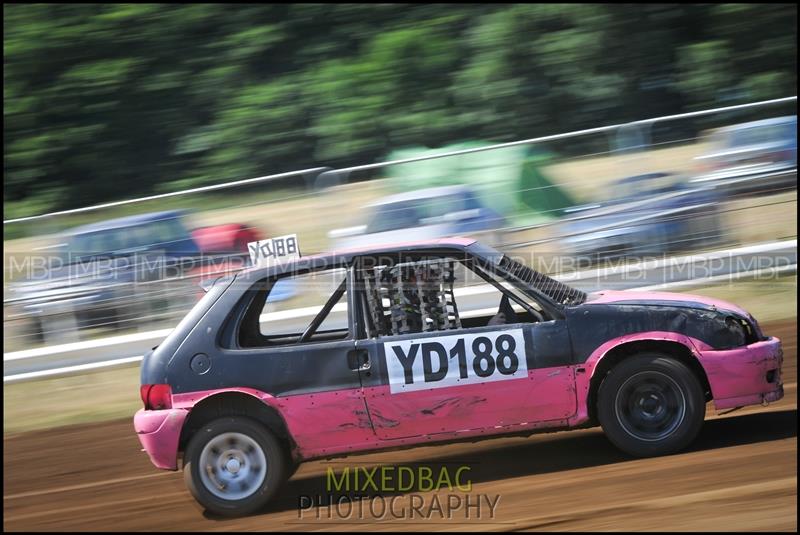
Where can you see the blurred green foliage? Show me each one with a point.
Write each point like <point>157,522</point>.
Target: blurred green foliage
<point>104,101</point>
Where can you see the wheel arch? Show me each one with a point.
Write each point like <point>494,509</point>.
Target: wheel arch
<point>623,351</point>
<point>236,403</point>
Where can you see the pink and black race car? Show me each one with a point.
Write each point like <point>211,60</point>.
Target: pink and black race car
<point>244,393</point>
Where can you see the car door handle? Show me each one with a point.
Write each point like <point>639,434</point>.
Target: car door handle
<point>358,360</point>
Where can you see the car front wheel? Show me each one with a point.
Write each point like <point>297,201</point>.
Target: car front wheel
<point>234,466</point>
<point>651,404</point>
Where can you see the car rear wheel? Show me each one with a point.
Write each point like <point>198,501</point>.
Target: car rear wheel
<point>234,466</point>
<point>293,468</point>
<point>651,404</point>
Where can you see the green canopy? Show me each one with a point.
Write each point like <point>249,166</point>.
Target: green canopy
<point>509,180</point>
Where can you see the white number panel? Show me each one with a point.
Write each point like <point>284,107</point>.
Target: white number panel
<point>453,360</point>
<point>273,250</point>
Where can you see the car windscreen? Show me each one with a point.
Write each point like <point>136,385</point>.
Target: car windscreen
<point>448,204</point>
<point>557,291</point>
<point>396,216</point>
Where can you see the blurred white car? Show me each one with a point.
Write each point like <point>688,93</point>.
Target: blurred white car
<point>759,157</point>
<point>420,215</point>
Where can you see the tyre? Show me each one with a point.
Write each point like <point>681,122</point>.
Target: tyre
<point>234,466</point>
<point>651,404</point>
<point>293,468</point>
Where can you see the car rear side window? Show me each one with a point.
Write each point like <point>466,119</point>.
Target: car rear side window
<point>298,308</point>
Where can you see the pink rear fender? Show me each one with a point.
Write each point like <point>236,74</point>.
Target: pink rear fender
<point>159,432</point>
<point>314,422</point>
<point>585,372</point>
<point>162,441</point>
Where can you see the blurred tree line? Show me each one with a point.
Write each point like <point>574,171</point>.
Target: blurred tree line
<point>107,101</point>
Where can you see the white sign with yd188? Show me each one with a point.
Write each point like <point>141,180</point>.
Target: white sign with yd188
<point>273,250</point>
<point>442,361</point>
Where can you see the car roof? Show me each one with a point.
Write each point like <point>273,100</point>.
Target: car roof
<point>422,194</point>
<point>346,255</point>
<point>122,222</point>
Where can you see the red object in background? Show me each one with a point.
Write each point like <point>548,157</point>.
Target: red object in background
<point>230,242</point>
<point>228,238</point>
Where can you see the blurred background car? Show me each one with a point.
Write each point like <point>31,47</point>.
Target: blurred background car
<point>420,215</point>
<point>645,214</point>
<point>90,276</point>
<point>759,157</point>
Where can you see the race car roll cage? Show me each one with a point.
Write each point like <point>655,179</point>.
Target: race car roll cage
<point>552,296</point>
<point>523,278</point>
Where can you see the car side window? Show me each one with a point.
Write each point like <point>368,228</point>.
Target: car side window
<point>308,307</point>
<point>433,294</point>
<point>408,297</point>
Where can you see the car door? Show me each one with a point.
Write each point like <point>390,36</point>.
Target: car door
<point>315,382</point>
<point>483,377</point>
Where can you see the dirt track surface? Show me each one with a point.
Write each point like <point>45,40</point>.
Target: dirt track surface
<point>741,474</point>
